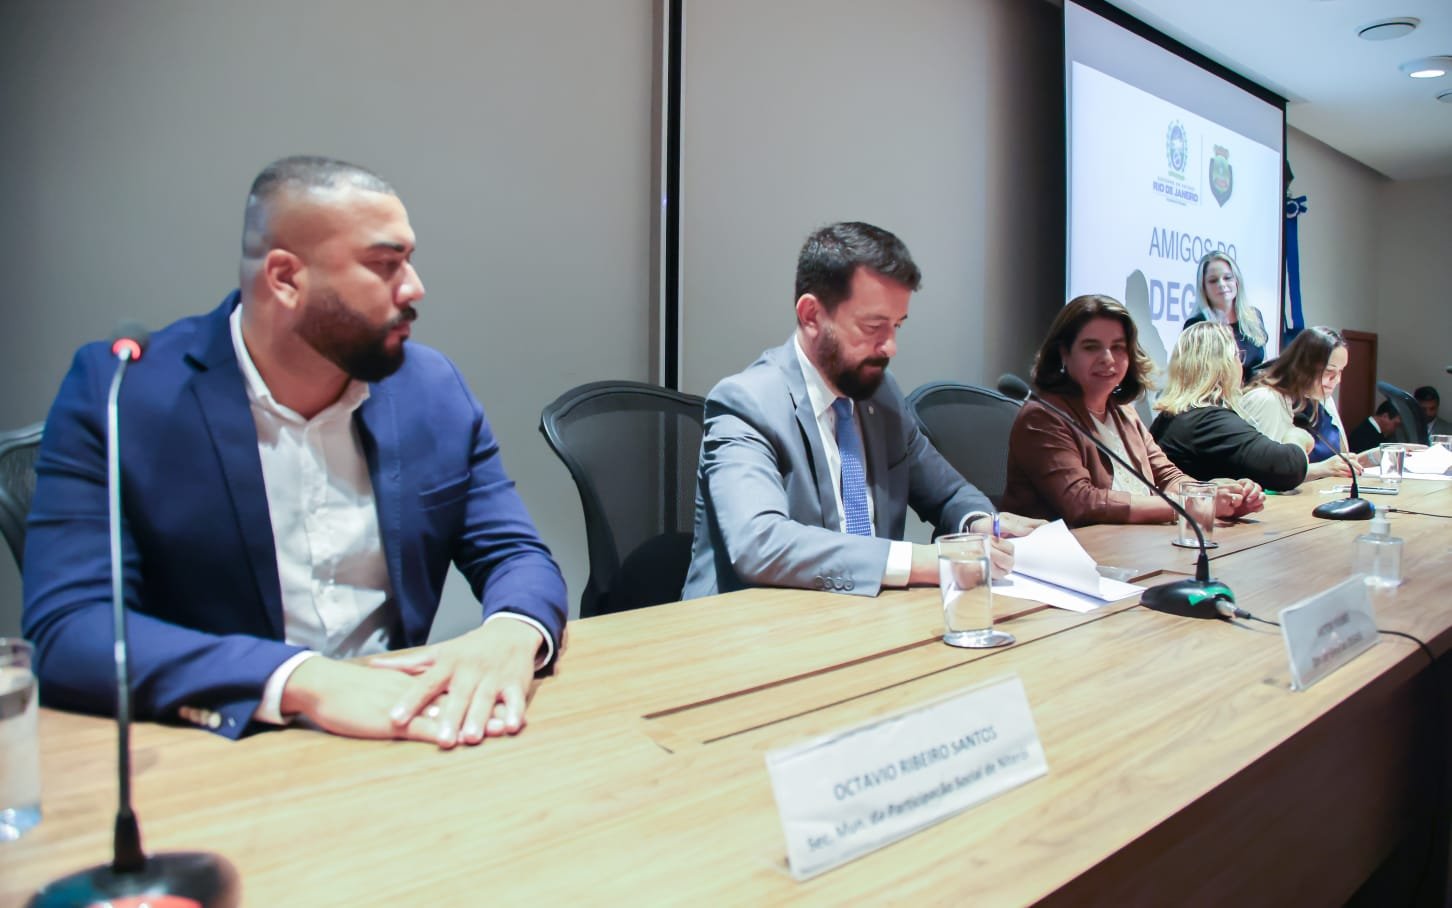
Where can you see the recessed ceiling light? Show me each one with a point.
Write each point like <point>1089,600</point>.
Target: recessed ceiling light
<point>1387,29</point>
<point>1445,97</point>
<point>1427,67</point>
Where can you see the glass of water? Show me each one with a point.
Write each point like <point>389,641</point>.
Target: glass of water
<point>1393,464</point>
<point>19,741</point>
<point>1198,498</point>
<point>1444,441</point>
<point>965,578</point>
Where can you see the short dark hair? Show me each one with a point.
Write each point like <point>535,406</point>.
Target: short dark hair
<point>1049,374</point>
<point>1426,393</point>
<point>1388,409</point>
<point>300,173</point>
<point>1296,372</point>
<point>832,254</point>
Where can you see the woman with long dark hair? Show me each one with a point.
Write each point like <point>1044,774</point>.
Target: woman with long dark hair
<point>1301,382</point>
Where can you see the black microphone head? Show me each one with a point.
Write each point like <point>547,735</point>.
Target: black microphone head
<point>1301,419</point>
<point>130,336</point>
<point>1010,385</point>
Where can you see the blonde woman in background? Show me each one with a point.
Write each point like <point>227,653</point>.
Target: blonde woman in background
<point>1199,429</point>
<point>1222,301</point>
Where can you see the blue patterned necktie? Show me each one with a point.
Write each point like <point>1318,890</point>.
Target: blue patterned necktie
<point>854,473</point>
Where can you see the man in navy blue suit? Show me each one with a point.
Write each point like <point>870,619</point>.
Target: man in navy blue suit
<point>296,479</point>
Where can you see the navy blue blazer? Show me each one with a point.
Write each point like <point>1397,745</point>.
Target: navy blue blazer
<point>200,568</point>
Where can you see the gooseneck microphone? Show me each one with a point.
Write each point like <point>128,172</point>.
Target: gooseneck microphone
<point>1198,597</point>
<point>191,878</point>
<point>1351,508</point>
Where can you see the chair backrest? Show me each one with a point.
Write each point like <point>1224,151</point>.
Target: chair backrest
<point>17,483</point>
<point>969,426</point>
<point>632,450</point>
<point>1413,429</point>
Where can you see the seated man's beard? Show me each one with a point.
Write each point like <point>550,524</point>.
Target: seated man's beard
<point>350,341</point>
<point>852,381</point>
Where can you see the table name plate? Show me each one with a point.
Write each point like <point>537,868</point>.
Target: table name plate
<point>851,792</point>
<point>1328,630</point>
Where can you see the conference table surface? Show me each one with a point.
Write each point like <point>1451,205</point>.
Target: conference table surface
<point>1180,764</point>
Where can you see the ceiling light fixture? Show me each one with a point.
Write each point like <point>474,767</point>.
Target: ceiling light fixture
<point>1445,97</point>
<point>1388,29</point>
<point>1427,67</point>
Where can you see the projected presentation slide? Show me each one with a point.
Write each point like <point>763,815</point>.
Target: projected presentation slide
<point>1153,187</point>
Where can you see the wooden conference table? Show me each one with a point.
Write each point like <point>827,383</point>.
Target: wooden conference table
<point>1181,768</point>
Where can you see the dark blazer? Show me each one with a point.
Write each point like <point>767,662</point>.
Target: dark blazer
<point>1365,436</point>
<point>200,569</point>
<point>1214,442</point>
<point>1055,472</point>
<point>766,512</point>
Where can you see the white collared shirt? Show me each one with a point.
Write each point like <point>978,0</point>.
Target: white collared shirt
<point>899,553</point>
<point>337,599</point>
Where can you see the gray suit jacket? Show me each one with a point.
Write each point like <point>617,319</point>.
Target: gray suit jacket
<point>766,512</point>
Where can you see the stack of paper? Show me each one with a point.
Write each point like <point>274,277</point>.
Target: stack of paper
<point>1050,566</point>
<point>1434,461</point>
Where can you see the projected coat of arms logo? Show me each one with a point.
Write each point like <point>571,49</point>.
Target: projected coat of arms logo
<point>1177,147</point>
<point>1222,178</point>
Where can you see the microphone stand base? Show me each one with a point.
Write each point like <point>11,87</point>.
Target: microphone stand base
<point>1345,509</point>
<point>187,877</point>
<point>1189,598</point>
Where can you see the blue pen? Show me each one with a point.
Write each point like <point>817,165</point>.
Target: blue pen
<point>997,528</point>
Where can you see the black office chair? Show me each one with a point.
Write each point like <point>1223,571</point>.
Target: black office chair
<point>17,483</point>
<point>969,426</point>
<point>1413,429</point>
<point>632,450</point>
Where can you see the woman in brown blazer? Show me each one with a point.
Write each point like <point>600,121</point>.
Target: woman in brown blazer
<point>1092,367</point>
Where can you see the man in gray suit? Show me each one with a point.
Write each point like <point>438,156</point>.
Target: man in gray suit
<point>811,457</point>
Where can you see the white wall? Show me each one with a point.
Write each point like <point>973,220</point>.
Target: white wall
<point>1338,234</point>
<point>1414,286</point>
<point>1374,257</point>
<point>518,135</point>
<point>937,119</point>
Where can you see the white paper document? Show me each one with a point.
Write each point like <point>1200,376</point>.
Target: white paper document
<point>1374,474</point>
<point>1434,462</point>
<point>1050,566</point>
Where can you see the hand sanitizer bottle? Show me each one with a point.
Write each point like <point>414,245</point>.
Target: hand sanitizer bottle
<point>1379,554</point>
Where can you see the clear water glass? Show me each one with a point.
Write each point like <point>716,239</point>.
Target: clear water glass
<point>965,580</point>
<point>19,741</point>
<point>1393,463</point>
<point>1198,498</point>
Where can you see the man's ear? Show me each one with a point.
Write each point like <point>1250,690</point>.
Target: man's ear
<point>283,274</point>
<point>809,314</point>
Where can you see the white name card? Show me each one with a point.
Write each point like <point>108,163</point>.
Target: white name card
<point>1327,631</point>
<point>849,793</point>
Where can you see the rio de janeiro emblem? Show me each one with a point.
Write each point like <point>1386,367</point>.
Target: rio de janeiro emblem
<point>1222,178</point>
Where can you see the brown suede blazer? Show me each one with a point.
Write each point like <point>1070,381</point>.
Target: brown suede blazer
<point>1055,472</point>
